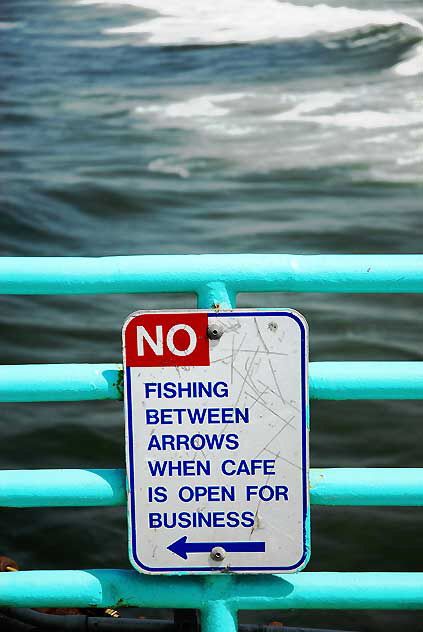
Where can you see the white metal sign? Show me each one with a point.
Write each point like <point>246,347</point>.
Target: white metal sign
<point>217,441</point>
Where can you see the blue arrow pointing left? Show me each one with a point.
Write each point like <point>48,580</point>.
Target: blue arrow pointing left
<point>181,547</point>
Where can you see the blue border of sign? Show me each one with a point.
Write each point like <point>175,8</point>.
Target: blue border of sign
<point>304,418</point>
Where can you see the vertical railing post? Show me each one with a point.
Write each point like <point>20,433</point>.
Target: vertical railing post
<point>217,614</point>
<point>215,295</point>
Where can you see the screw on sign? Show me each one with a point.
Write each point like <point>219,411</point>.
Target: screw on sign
<point>217,441</point>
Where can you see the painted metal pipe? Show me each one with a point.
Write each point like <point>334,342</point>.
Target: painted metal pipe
<point>62,488</point>
<point>60,382</point>
<point>217,613</point>
<point>327,380</point>
<point>399,487</point>
<point>118,588</point>
<point>96,588</point>
<point>366,380</point>
<point>330,590</point>
<point>217,616</point>
<point>190,273</point>
<point>215,295</point>
<point>98,488</point>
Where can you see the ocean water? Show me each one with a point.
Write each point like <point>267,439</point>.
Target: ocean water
<point>191,127</point>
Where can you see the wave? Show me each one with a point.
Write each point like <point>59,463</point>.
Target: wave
<point>412,65</point>
<point>162,166</point>
<point>312,107</point>
<point>305,112</point>
<point>380,140</point>
<point>204,105</point>
<point>190,22</point>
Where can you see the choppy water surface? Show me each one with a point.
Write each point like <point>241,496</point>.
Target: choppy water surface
<point>192,127</point>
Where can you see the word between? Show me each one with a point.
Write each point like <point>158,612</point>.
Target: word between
<point>197,415</point>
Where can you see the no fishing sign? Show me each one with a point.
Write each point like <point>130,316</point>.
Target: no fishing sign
<point>217,441</point>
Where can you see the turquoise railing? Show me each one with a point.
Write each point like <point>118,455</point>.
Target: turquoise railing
<point>216,279</point>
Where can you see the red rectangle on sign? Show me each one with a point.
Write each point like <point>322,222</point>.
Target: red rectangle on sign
<point>167,340</point>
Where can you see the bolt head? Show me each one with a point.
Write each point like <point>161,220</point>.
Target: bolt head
<point>214,330</point>
<point>218,553</point>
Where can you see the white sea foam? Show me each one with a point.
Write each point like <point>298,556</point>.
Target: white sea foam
<point>316,108</point>
<point>227,129</point>
<point>364,119</point>
<point>307,111</point>
<point>5,26</point>
<point>162,166</point>
<point>207,22</point>
<point>200,107</point>
<point>413,65</point>
<point>414,158</point>
<point>313,102</point>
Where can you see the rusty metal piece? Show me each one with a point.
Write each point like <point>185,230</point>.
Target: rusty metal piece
<point>7,565</point>
<point>59,611</point>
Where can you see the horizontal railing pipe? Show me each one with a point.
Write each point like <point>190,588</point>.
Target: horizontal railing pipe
<point>113,588</point>
<point>367,486</point>
<point>216,280</point>
<point>327,380</point>
<point>366,380</point>
<point>60,382</point>
<point>96,488</point>
<point>62,488</point>
<point>330,591</point>
<point>191,273</point>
